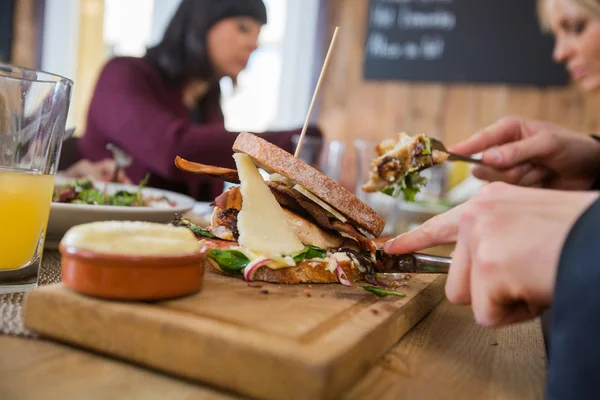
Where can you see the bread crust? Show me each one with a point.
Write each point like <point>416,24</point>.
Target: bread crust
<point>274,159</point>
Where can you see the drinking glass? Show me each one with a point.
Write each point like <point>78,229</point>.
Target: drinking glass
<point>33,113</point>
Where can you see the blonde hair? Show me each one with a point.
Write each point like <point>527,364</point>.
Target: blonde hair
<point>590,8</point>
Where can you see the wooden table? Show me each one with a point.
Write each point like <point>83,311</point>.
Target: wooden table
<point>446,356</point>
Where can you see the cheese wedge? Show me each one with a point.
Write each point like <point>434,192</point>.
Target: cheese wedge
<point>262,223</point>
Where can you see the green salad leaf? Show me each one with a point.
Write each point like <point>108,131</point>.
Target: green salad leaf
<point>309,252</point>
<point>409,186</point>
<point>81,184</point>
<point>91,196</point>
<point>379,292</point>
<point>196,230</point>
<point>82,191</point>
<point>123,198</point>
<point>230,261</point>
<point>427,149</point>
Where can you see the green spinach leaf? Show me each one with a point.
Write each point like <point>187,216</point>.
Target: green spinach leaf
<point>230,261</point>
<point>309,252</point>
<point>379,292</point>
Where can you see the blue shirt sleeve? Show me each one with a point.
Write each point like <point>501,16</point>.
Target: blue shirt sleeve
<point>574,358</point>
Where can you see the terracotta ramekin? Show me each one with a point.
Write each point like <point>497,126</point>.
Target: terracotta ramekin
<point>124,277</point>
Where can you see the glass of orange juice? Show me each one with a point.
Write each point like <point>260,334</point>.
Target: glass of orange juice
<point>33,114</point>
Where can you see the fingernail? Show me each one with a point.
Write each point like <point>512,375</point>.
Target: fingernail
<point>390,242</point>
<point>496,155</point>
<point>387,245</point>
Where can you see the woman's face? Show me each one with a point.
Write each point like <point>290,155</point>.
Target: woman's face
<point>231,41</point>
<point>577,42</point>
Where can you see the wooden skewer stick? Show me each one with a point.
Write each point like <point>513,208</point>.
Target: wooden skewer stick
<point>315,94</point>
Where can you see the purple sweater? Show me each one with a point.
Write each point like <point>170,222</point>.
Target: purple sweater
<point>134,108</point>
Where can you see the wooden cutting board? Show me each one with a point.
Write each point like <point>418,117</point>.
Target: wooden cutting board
<point>272,341</point>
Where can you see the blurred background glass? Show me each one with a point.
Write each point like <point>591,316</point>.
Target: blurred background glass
<point>326,156</point>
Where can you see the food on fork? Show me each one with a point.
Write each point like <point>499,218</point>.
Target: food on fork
<point>396,169</point>
<point>298,226</point>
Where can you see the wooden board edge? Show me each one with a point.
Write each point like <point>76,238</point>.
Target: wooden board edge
<point>295,375</point>
<point>348,363</point>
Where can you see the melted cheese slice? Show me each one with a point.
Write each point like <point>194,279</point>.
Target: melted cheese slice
<point>262,223</point>
<point>321,203</point>
<point>132,238</point>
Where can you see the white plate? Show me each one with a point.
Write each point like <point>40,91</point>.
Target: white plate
<point>63,216</point>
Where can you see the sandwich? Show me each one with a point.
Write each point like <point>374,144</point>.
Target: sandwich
<point>397,167</point>
<point>293,225</point>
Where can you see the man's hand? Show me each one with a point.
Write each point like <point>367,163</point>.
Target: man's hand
<point>508,244</point>
<point>100,171</point>
<point>534,153</point>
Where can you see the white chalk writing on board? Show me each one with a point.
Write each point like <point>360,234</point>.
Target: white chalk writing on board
<point>437,19</point>
<point>430,47</point>
<point>394,14</point>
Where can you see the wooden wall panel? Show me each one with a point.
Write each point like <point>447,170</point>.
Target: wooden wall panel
<point>352,108</point>
<point>91,57</point>
<point>25,34</point>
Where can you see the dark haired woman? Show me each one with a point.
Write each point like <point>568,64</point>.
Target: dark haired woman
<point>166,104</point>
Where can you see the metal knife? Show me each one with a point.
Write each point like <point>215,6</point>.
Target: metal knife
<point>418,263</point>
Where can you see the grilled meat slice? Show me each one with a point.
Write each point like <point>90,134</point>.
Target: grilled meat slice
<point>351,232</point>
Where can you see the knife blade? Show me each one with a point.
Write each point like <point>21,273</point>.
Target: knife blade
<point>417,263</point>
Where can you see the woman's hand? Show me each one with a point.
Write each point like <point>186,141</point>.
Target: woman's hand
<point>534,153</point>
<point>508,244</point>
<point>100,171</point>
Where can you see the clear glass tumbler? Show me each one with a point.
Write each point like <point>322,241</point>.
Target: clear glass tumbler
<point>33,114</point>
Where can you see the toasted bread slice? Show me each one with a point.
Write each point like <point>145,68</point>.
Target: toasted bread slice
<point>304,272</point>
<point>274,159</point>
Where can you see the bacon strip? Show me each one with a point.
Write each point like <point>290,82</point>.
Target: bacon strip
<point>228,175</point>
<point>363,241</point>
<point>321,216</point>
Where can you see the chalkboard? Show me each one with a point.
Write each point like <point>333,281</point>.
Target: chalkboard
<point>492,41</point>
<point>6,28</point>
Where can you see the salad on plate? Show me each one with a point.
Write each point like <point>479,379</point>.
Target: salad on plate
<point>83,191</point>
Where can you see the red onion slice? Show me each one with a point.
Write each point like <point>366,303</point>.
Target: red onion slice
<point>253,266</point>
<point>376,282</point>
<point>341,275</point>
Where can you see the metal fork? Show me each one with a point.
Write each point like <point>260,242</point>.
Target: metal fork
<point>122,160</point>
<point>439,146</point>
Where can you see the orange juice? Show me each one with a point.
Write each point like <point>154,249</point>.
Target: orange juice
<point>25,200</point>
